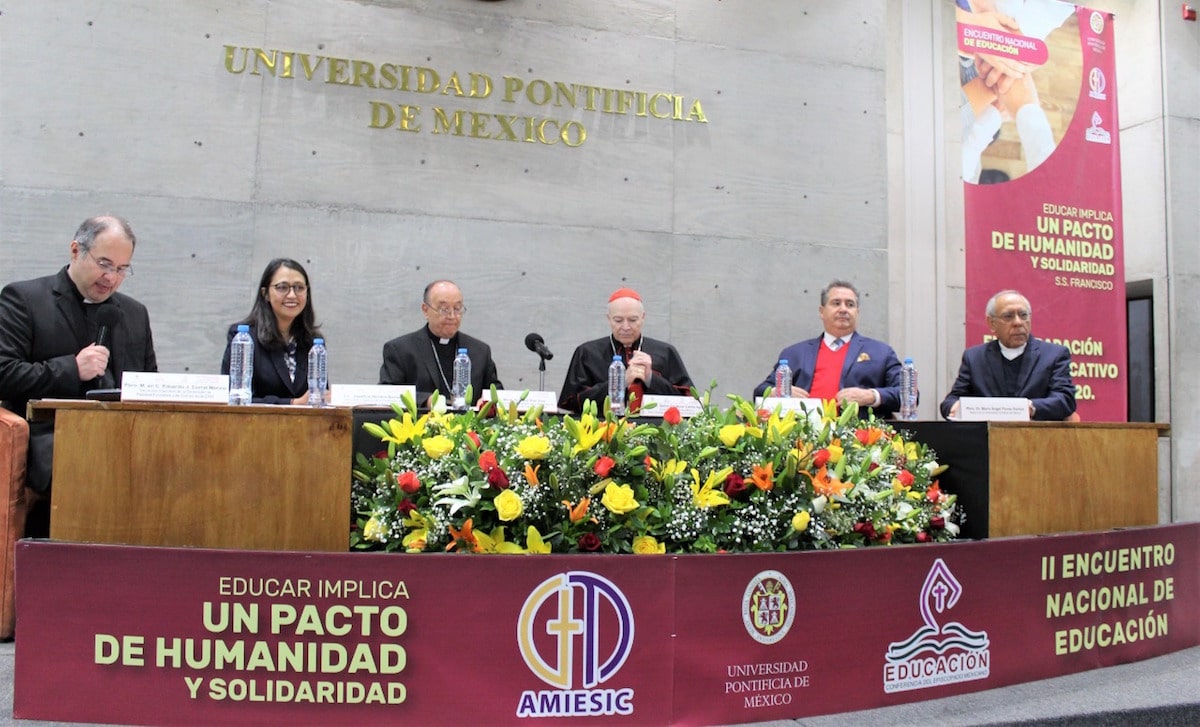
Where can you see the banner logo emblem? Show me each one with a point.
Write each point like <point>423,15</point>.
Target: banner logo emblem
<point>575,632</point>
<point>1096,84</point>
<point>1095,133</point>
<point>937,653</point>
<point>768,607</point>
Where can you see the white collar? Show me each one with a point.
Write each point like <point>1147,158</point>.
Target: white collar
<point>1011,353</point>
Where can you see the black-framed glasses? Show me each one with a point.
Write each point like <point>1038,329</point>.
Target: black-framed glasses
<point>108,267</point>
<point>285,288</point>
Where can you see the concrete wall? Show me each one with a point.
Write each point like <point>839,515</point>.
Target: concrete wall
<point>728,228</point>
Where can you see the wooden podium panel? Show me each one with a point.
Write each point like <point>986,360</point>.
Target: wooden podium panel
<point>1033,478</point>
<point>208,475</point>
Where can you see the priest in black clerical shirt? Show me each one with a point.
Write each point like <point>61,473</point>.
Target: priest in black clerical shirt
<point>651,367</point>
<point>425,357</point>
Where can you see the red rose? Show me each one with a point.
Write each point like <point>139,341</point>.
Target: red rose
<point>763,415</point>
<point>487,461</point>
<point>820,457</point>
<point>922,537</point>
<point>475,438</point>
<point>381,454</point>
<point>496,478</point>
<point>874,466</point>
<point>937,522</point>
<point>408,482</point>
<point>406,506</point>
<point>588,542</point>
<point>648,462</point>
<point>863,436</point>
<point>906,478</point>
<point>672,416</point>
<point>735,485</point>
<point>867,528</point>
<point>603,466</point>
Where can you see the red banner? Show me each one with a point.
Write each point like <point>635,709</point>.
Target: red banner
<point>136,635</point>
<point>1041,166</point>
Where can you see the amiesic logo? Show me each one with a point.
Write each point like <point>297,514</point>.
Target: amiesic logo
<point>575,632</point>
<point>937,653</point>
<point>768,607</point>
<point>1097,84</point>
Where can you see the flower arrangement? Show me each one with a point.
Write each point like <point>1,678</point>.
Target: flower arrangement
<point>494,480</point>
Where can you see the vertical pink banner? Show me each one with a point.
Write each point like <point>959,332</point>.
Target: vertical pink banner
<point>1042,191</point>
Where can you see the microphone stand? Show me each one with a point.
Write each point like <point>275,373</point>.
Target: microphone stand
<point>541,373</point>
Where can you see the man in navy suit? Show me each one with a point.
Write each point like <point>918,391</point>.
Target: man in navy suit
<point>1015,364</point>
<point>425,357</point>
<point>49,345</point>
<point>842,364</point>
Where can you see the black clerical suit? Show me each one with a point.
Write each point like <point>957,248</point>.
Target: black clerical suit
<point>44,323</point>
<point>421,359</point>
<point>587,376</point>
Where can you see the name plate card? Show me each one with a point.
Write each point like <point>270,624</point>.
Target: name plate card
<point>993,409</point>
<point>368,394</point>
<point>196,388</point>
<point>655,405</point>
<point>526,400</point>
<point>788,403</point>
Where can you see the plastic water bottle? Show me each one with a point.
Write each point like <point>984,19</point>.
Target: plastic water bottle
<point>462,379</point>
<point>318,372</point>
<point>908,391</point>
<point>616,386</point>
<point>241,366</point>
<point>783,378</point>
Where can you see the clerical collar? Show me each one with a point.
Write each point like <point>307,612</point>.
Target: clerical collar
<point>830,338</point>
<point>618,347</point>
<point>1011,353</point>
<point>436,339</point>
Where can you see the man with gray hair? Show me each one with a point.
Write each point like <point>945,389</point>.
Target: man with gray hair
<point>1015,364</point>
<point>65,334</point>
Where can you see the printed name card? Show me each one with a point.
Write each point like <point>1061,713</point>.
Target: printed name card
<point>655,405</point>
<point>368,394</point>
<point>526,400</point>
<point>993,409</point>
<point>788,403</point>
<point>201,388</point>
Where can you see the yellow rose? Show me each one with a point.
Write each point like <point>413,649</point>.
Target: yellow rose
<point>508,505</point>
<point>533,447</point>
<point>800,521</point>
<point>646,544</point>
<point>835,453</point>
<point>437,447</point>
<point>619,499</point>
<point>730,433</point>
<point>374,529</point>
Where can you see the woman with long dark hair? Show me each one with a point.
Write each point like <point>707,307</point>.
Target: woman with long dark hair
<point>282,325</point>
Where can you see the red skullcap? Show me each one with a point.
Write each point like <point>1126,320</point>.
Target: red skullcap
<point>624,293</point>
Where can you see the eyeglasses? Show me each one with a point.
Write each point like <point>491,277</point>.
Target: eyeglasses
<point>1013,315</point>
<point>456,311</point>
<point>109,268</point>
<point>297,288</point>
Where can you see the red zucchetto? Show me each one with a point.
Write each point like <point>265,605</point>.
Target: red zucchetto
<point>624,293</point>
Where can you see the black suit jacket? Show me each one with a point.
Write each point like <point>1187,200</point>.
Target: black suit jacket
<point>410,359</point>
<point>43,325</point>
<point>271,383</point>
<point>1045,378</point>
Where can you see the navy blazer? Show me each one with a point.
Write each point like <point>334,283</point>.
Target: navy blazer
<point>43,325</point>
<point>1045,378</point>
<point>410,359</point>
<point>271,383</point>
<point>870,364</point>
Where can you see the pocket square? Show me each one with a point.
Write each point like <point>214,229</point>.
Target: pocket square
<point>863,357</point>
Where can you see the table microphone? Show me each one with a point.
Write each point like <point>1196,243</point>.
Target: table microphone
<point>537,344</point>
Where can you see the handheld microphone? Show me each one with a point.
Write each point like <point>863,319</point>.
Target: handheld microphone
<point>537,344</point>
<point>107,318</point>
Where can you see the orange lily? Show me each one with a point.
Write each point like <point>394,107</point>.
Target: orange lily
<point>827,484</point>
<point>764,477</point>
<point>868,436</point>
<point>467,534</point>
<point>531,474</point>
<point>577,512</point>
